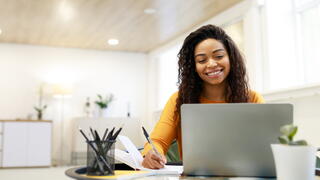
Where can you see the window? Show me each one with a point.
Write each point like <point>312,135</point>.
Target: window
<point>168,75</point>
<point>235,31</point>
<point>292,40</point>
<point>308,15</point>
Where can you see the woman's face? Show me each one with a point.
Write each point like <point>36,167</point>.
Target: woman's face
<point>212,62</point>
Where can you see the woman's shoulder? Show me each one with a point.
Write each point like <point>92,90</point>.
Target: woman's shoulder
<point>255,97</point>
<point>173,98</point>
<point>174,95</point>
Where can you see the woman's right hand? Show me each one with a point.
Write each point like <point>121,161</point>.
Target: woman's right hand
<point>154,161</point>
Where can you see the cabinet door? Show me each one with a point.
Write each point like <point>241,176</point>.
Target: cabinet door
<point>14,144</point>
<point>1,145</point>
<point>39,144</point>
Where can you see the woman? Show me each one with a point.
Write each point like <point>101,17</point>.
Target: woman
<point>211,70</point>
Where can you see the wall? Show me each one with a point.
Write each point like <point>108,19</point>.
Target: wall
<point>306,103</point>
<point>23,68</point>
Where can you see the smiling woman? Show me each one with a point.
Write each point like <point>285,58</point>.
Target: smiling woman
<point>211,70</point>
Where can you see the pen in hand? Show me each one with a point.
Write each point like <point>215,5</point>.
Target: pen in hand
<point>150,141</point>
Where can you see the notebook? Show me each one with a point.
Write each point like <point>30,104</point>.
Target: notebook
<point>133,158</point>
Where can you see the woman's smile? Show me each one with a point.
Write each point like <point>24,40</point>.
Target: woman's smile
<point>215,73</point>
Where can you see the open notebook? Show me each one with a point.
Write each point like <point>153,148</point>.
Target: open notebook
<point>133,158</point>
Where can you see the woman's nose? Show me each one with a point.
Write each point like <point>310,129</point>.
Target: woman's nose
<point>211,63</point>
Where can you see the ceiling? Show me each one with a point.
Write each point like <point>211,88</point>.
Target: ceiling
<point>89,24</point>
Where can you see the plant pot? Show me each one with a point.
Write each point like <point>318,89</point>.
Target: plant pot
<point>294,162</point>
<point>103,113</point>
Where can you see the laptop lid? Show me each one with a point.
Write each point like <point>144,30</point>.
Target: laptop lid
<point>231,139</point>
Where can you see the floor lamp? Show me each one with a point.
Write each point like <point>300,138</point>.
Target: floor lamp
<point>62,92</point>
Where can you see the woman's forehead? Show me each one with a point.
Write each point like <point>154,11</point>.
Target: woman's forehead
<point>209,44</point>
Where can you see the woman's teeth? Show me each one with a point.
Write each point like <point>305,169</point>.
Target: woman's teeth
<point>213,73</point>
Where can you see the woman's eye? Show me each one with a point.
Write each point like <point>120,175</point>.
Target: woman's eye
<point>201,61</point>
<point>219,57</point>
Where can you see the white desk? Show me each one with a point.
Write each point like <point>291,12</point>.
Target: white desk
<point>72,172</point>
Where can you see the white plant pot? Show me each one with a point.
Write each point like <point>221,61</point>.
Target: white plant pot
<point>294,162</point>
<point>103,113</point>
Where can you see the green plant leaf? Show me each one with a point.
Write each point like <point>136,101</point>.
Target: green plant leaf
<point>287,129</point>
<point>283,139</point>
<point>100,97</point>
<point>37,109</point>
<point>299,143</point>
<point>293,132</point>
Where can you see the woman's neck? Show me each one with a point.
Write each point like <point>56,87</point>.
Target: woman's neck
<point>215,92</point>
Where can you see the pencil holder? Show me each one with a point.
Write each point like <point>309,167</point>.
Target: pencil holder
<point>100,159</point>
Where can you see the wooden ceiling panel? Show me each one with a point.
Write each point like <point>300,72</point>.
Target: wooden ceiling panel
<point>90,23</point>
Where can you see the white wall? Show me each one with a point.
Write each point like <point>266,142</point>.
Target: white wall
<point>306,105</point>
<point>23,68</point>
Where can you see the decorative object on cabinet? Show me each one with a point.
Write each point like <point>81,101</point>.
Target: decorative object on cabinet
<point>87,108</point>
<point>40,108</point>
<point>103,103</point>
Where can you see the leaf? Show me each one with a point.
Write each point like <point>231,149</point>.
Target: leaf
<point>299,143</point>
<point>293,133</point>
<point>287,129</point>
<point>99,96</point>
<point>283,139</point>
<point>37,109</point>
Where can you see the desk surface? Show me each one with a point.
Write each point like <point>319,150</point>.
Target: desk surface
<point>71,173</point>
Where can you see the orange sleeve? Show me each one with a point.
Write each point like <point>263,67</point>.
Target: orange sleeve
<point>256,97</point>
<point>165,130</point>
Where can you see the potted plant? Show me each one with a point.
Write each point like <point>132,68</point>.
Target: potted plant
<point>294,160</point>
<point>40,108</point>
<point>103,103</point>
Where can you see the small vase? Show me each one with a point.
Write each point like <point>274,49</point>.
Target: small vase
<point>39,115</point>
<point>103,113</point>
<point>294,162</point>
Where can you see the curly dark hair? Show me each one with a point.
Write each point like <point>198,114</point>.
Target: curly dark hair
<point>190,84</point>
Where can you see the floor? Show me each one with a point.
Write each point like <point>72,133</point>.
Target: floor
<point>53,173</point>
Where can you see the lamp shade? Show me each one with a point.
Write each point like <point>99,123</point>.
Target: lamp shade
<point>62,90</point>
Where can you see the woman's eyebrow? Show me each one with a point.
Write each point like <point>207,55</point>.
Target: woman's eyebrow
<point>217,50</point>
<point>214,51</point>
<point>202,54</point>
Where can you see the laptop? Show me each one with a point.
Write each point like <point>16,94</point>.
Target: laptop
<point>231,139</point>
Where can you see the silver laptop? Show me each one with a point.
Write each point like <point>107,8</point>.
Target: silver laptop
<point>231,139</point>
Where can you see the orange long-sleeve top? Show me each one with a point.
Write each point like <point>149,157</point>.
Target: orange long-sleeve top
<point>167,129</point>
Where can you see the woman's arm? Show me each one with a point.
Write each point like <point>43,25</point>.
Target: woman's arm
<point>163,134</point>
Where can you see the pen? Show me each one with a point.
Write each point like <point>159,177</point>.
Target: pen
<point>150,141</point>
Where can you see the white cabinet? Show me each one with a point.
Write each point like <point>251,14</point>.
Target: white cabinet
<point>26,143</point>
<point>1,143</point>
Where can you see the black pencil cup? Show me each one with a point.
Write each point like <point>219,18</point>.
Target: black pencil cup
<point>100,162</point>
